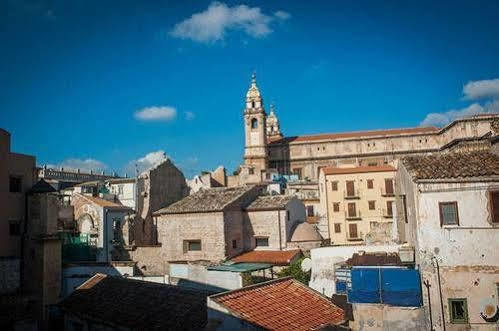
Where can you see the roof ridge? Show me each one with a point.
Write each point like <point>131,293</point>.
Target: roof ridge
<point>250,287</point>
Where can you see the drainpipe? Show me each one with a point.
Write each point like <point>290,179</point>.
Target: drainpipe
<point>280,235</point>
<point>427,285</point>
<point>440,291</point>
<point>327,210</point>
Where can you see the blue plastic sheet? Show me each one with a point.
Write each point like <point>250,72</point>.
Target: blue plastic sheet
<point>392,286</point>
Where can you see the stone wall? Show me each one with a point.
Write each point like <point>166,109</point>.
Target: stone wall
<point>175,229</point>
<point>157,188</point>
<point>379,317</point>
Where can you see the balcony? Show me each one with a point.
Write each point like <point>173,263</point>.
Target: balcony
<point>387,193</point>
<point>353,194</point>
<point>352,215</point>
<point>387,213</point>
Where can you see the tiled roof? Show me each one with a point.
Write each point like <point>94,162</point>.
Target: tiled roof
<point>104,203</point>
<point>356,170</point>
<point>281,304</point>
<point>209,200</point>
<point>357,134</point>
<point>453,165</point>
<point>264,256</point>
<point>137,305</point>
<point>266,202</point>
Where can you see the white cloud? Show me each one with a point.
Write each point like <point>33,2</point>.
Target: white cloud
<point>212,24</point>
<point>85,165</point>
<point>145,163</point>
<point>442,119</point>
<point>189,115</point>
<point>162,113</point>
<point>481,89</point>
<point>281,14</point>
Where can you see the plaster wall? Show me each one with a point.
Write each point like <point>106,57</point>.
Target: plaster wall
<point>212,278</point>
<point>379,317</point>
<point>368,221</point>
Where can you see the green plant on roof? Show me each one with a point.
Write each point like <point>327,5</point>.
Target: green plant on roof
<point>294,270</point>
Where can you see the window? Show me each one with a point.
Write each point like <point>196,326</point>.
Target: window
<point>288,217</point>
<point>251,171</point>
<point>389,208</point>
<point>252,104</point>
<point>336,206</point>
<point>337,228</point>
<point>494,206</point>
<point>372,164</point>
<point>15,184</point>
<point>388,186</point>
<point>352,212</point>
<point>192,245</point>
<point>234,243</point>
<point>15,228</point>
<point>297,171</point>
<point>458,309</point>
<point>254,123</point>
<point>262,242</point>
<point>310,210</point>
<point>370,183</point>
<point>334,186</point>
<point>350,188</point>
<point>448,213</point>
<point>352,229</point>
<point>372,205</point>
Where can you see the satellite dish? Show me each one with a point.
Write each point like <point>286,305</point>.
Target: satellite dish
<point>306,264</point>
<point>488,308</point>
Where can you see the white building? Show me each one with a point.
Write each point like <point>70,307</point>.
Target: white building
<point>449,212</point>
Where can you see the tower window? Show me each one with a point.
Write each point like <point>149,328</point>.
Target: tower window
<point>252,104</point>
<point>254,123</point>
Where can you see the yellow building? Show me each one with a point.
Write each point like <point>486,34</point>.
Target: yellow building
<point>359,203</point>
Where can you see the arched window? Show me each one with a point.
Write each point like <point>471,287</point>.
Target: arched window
<point>254,123</point>
<point>252,104</point>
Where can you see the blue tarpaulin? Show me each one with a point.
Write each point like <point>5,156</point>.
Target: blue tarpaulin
<point>392,286</point>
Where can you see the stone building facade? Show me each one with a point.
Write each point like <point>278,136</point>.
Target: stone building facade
<point>157,188</point>
<point>359,203</point>
<point>218,224</point>
<point>267,151</point>
<point>449,213</point>
<point>17,176</point>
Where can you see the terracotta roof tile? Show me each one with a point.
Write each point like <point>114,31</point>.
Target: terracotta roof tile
<point>264,256</point>
<point>355,170</point>
<point>137,305</point>
<point>453,165</point>
<point>282,304</point>
<point>356,134</point>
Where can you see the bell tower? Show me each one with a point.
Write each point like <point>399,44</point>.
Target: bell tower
<point>255,124</point>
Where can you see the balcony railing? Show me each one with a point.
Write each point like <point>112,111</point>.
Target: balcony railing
<point>385,193</point>
<point>387,213</point>
<point>352,216</point>
<point>352,195</point>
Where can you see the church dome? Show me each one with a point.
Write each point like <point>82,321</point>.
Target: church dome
<point>306,232</point>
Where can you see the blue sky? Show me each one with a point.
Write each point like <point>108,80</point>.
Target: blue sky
<point>103,83</point>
